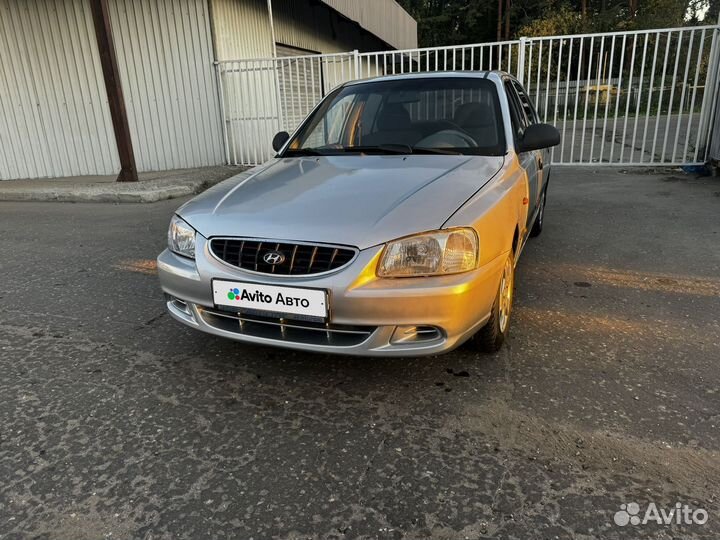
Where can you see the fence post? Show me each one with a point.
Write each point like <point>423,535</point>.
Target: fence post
<point>356,61</point>
<point>711,82</point>
<point>712,146</point>
<point>221,99</point>
<point>278,97</point>
<point>521,61</point>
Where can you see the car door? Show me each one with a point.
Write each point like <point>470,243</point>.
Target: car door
<point>528,160</point>
<point>542,155</point>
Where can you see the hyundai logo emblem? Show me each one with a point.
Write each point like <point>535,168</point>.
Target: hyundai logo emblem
<point>273,257</point>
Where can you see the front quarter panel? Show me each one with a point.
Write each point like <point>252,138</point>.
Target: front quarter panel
<point>496,211</point>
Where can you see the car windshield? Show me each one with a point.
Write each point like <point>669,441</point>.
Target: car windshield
<point>434,115</point>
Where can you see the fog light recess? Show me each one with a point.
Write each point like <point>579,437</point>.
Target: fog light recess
<point>178,304</point>
<point>415,334</point>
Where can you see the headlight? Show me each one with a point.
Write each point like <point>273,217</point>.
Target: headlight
<point>430,254</point>
<point>181,238</point>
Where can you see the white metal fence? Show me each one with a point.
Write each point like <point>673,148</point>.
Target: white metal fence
<point>263,96</point>
<point>637,98</point>
<point>626,98</point>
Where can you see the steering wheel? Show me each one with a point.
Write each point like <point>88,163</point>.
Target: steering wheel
<point>448,138</point>
<point>467,135</point>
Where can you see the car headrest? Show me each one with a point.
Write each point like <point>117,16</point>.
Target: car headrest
<point>470,115</point>
<point>394,117</point>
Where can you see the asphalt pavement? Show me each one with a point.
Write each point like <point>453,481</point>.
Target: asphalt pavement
<point>117,422</point>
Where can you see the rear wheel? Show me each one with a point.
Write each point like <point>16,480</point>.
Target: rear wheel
<point>491,336</point>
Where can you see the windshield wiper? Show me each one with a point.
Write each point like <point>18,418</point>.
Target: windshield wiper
<point>379,149</point>
<point>389,149</point>
<point>446,151</point>
<point>303,152</point>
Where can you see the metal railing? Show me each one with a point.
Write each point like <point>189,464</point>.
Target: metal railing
<point>262,96</point>
<point>622,98</point>
<point>635,98</point>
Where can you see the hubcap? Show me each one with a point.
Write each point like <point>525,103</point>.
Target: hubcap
<point>506,294</point>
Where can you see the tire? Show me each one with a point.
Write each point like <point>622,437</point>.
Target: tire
<point>538,225</point>
<point>489,338</point>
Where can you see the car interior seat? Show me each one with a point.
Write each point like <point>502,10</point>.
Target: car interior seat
<point>394,126</point>
<point>478,119</point>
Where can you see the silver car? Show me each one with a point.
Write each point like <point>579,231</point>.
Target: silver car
<point>388,224</point>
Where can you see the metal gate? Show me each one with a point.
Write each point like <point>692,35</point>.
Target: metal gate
<point>623,98</point>
<point>260,97</point>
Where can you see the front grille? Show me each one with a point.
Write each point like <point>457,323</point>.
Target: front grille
<point>299,259</point>
<point>310,333</point>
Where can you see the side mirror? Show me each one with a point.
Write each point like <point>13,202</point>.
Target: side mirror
<point>279,140</point>
<point>539,136</point>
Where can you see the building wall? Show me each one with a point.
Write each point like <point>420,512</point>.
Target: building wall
<point>383,18</point>
<point>262,97</point>
<point>165,58</point>
<point>242,29</point>
<point>313,26</point>
<point>54,116</point>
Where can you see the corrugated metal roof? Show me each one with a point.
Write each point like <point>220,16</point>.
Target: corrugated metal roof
<point>317,27</point>
<point>307,26</point>
<point>242,27</point>
<point>384,18</point>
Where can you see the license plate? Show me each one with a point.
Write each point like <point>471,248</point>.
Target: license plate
<point>270,299</point>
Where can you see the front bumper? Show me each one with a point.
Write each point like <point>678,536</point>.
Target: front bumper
<point>368,315</point>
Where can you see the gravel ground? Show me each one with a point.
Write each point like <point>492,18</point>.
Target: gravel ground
<point>116,422</point>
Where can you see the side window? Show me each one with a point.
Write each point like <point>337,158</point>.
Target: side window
<point>526,104</point>
<point>330,130</point>
<point>517,113</point>
<point>368,118</point>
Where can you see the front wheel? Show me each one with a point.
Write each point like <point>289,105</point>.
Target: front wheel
<point>490,337</point>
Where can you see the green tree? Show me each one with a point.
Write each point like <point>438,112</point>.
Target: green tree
<point>562,20</point>
<point>452,22</point>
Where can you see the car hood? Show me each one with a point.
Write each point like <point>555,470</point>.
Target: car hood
<point>360,201</point>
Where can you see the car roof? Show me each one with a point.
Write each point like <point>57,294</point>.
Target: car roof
<point>492,75</point>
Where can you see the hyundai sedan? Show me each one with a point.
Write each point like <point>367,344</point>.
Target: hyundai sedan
<point>388,224</point>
